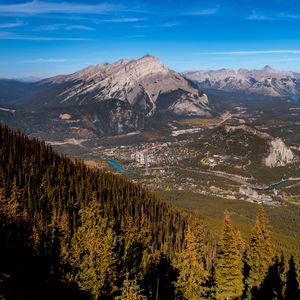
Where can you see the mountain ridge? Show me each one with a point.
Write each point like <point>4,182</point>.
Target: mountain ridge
<point>266,81</point>
<point>140,82</point>
<point>107,99</point>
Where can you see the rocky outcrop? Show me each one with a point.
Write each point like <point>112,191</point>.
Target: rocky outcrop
<point>280,154</point>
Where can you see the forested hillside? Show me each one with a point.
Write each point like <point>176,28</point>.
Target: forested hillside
<point>70,232</point>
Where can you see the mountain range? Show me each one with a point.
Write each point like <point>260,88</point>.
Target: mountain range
<point>106,99</point>
<point>126,96</point>
<point>145,84</point>
<point>266,81</point>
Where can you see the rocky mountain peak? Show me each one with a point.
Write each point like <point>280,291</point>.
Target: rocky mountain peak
<point>267,68</point>
<point>146,84</point>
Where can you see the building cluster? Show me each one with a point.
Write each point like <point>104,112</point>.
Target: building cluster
<point>251,195</point>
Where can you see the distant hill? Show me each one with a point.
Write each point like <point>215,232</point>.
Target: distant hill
<point>245,150</point>
<point>12,90</point>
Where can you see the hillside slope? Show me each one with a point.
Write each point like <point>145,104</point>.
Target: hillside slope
<point>43,196</point>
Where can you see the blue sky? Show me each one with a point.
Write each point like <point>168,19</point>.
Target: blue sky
<point>47,37</point>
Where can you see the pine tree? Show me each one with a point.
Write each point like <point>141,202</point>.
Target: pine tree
<point>198,230</point>
<point>260,253</point>
<point>192,279</point>
<point>292,291</point>
<point>229,266</point>
<point>92,255</point>
<point>272,286</point>
<point>136,256</point>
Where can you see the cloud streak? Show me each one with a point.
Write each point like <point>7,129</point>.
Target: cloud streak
<point>12,24</point>
<point>162,25</point>
<point>10,36</point>
<point>123,20</point>
<point>203,12</point>
<point>43,60</point>
<point>258,17</point>
<point>41,7</point>
<point>290,16</point>
<point>257,52</point>
<point>54,27</point>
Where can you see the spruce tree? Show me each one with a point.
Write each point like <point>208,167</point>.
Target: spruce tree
<point>136,256</point>
<point>292,291</point>
<point>272,286</point>
<point>229,266</point>
<point>92,253</point>
<point>192,279</point>
<point>260,253</point>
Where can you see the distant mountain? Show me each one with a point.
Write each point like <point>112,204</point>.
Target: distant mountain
<point>145,84</point>
<point>266,81</point>
<point>106,99</point>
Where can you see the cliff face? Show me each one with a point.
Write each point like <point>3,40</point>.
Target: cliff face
<point>280,154</point>
<point>276,153</point>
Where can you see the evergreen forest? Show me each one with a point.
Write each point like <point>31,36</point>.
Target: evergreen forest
<point>71,232</point>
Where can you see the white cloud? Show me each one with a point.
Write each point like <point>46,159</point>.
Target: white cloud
<point>41,7</point>
<point>258,17</point>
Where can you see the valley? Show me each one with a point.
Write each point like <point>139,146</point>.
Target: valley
<point>222,157</point>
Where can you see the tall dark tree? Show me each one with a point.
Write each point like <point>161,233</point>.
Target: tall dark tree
<point>292,291</point>
<point>260,253</point>
<point>272,286</point>
<point>229,265</point>
<point>92,253</point>
<point>193,277</point>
